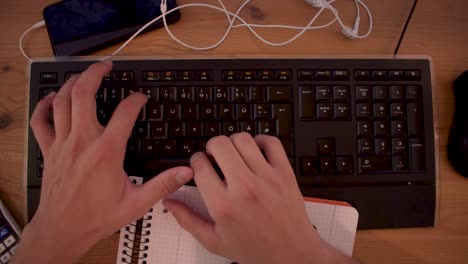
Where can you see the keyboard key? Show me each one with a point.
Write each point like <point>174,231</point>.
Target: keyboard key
<point>282,114</point>
<point>140,130</point>
<point>261,112</point>
<point>110,77</point>
<point>230,75</point>
<point>382,146</point>
<point>168,76</point>
<point>185,148</point>
<point>154,112</point>
<point>4,232</point>
<point>195,129</point>
<point>248,127</point>
<point>396,75</point>
<point>288,148</point>
<point>364,128</point>
<point>204,75</point>
<point>200,145</point>
<point>283,75</point>
<point>208,112</point>
<point>265,128</point>
<point>415,119</point>
<point>243,112</point>
<point>221,94</point>
<point>306,102</point>
<point>10,240</point>
<point>150,76</point>
<point>322,75</point>
<point>326,165</point>
<point>341,93</point>
<point>203,95</point>
<point>267,75</point>
<point>326,146</point>
<point>309,165</point>
<point>380,93</point>
<point>124,76</point>
<point>230,128</point>
<point>257,94</point>
<point>159,130</point>
<point>361,75</point>
<point>5,257</point>
<point>374,164</point>
<point>399,146</point>
<point>324,111</point>
<point>177,129</point>
<point>364,111</point>
<point>397,93</point>
<point>212,129</point>
<point>186,75</point>
<point>381,128</point>
<point>365,146</point>
<point>400,164</point>
<point>150,148</point>
<point>190,112</point>
<point>173,111</point>
<point>167,149</point>
<point>341,112</point>
<point>413,93</point>
<point>248,75</point>
<point>413,75</point>
<point>379,75</point>
<point>48,78</point>
<point>399,128</point>
<point>2,247</point>
<point>239,94</point>
<point>278,93</point>
<point>397,111</point>
<point>340,75</point>
<point>305,75</point>
<point>168,94</point>
<point>185,95</point>
<point>226,112</point>
<point>151,93</point>
<point>417,155</point>
<point>363,94</point>
<point>380,111</point>
<point>323,93</point>
<point>344,165</point>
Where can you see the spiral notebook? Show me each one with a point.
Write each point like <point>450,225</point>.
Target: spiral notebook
<point>157,238</point>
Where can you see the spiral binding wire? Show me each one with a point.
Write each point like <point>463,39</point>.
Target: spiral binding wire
<point>134,237</point>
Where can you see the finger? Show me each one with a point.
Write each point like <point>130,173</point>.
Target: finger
<point>39,122</point>
<point>208,181</point>
<point>227,157</point>
<point>122,121</point>
<point>201,229</point>
<point>84,94</point>
<point>62,109</point>
<point>249,151</point>
<point>274,151</point>
<point>147,195</point>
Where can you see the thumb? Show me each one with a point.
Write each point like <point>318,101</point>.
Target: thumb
<point>200,228</point>
<point>143,197</point>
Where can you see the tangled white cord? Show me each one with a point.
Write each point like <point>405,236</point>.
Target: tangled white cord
<point>232,17</point>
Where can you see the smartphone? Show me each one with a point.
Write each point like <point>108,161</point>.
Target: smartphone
<point>80,27</point>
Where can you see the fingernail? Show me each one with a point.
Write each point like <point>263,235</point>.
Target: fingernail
<point>184,176</point>
<point>51,94</point>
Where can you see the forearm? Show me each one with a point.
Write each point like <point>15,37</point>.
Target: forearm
<point>39,245</point>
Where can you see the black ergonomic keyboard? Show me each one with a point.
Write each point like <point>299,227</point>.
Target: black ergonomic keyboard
<point>356,130</point>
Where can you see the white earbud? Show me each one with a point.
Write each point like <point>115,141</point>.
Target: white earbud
<point>317,3</point>
<point>351,33</point>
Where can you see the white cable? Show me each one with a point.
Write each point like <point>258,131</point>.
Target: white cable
<point>37,25</point>
<point>232,17</point>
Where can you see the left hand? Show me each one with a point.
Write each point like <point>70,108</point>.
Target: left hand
<point>86,194</point>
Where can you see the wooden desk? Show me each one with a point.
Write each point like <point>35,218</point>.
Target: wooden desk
<point>437,29</point>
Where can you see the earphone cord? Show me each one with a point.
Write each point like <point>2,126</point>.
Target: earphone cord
<point>231,17</point>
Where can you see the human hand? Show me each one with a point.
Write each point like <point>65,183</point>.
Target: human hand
<point>86,194</point>
<point>258,212</point>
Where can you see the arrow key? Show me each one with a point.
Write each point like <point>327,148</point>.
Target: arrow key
<point>327,165</point>
<point>344,165</point>
<point>326,146</point>
<point>309,165</point>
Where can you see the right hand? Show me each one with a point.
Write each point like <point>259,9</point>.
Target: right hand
<point>258,212</point>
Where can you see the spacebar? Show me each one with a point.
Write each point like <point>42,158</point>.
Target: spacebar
<point>161,165</point>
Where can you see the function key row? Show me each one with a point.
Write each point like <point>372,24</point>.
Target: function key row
<point>252,75</point>
<point>392,75</point>
<point>322,75</point>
